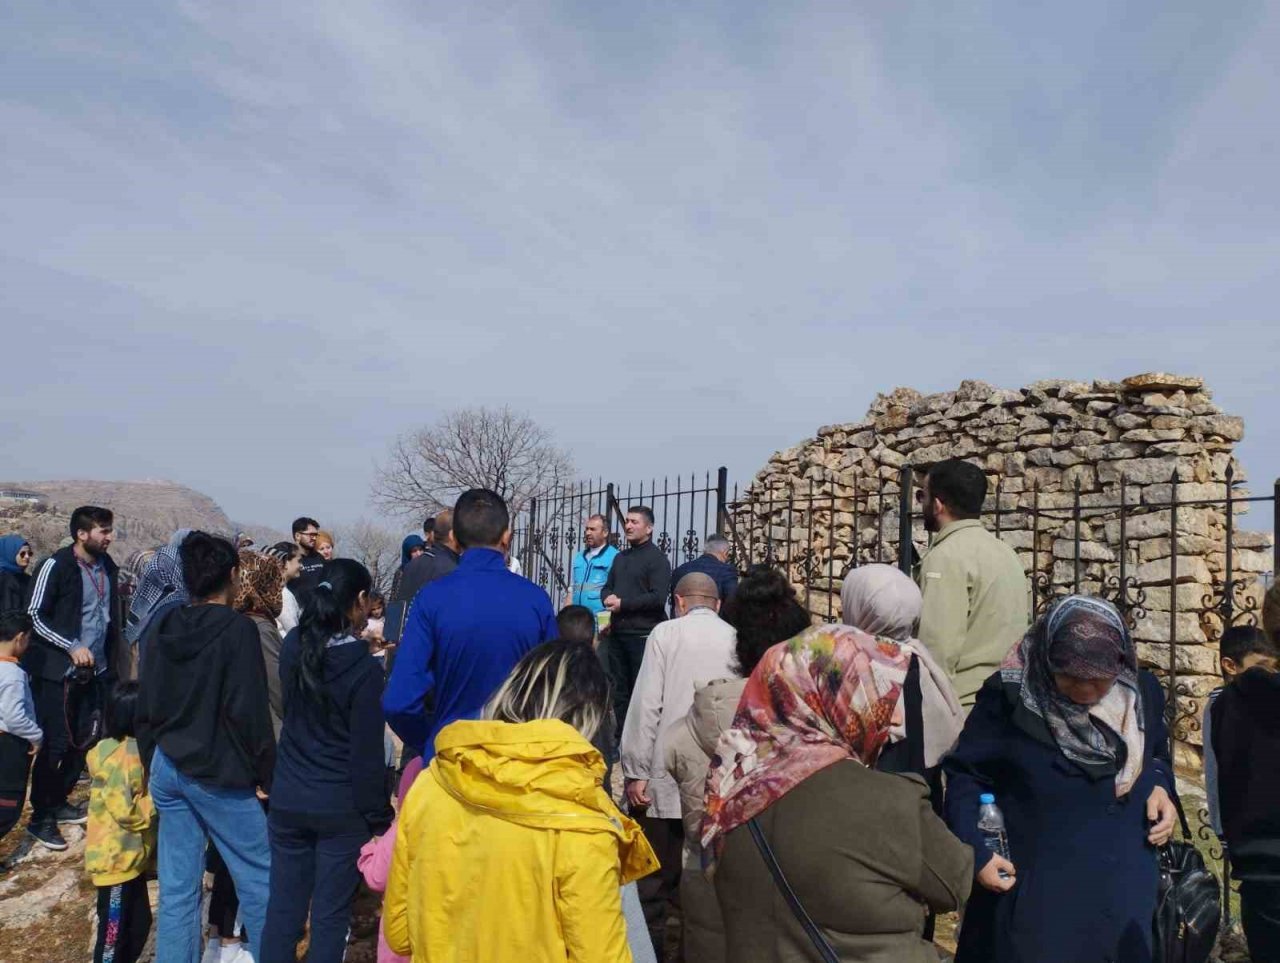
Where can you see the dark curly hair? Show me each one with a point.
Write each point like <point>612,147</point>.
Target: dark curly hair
<point>765,611</point>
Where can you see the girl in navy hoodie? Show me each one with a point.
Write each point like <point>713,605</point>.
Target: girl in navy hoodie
<point>329,794</point>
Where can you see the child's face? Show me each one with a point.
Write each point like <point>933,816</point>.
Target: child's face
<point>1254,660</point>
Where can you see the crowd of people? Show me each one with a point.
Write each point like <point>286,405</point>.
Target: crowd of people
<point>673,766</point>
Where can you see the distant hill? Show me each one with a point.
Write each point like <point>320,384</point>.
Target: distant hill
<point>147,512</point>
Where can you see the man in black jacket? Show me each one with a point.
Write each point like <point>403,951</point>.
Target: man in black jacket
<point>636,596</point>
<point>1246,741</point>
<point>305,531</point>
<point>75,610</point>
<point>439,558</point>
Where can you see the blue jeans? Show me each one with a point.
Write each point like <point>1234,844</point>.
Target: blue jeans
<point>233,818</point>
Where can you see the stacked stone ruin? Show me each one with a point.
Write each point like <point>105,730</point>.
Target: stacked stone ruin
<point>832,501</point>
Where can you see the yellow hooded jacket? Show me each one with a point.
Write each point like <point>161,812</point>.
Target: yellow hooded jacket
<point>509,849</point>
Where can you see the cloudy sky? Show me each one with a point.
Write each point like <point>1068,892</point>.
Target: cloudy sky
<point>242,244</point>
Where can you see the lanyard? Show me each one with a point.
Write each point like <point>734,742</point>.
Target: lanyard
<point>93,571</point>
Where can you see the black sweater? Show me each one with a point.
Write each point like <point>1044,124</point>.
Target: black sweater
<point>641,578</point>
<point>15,589</point>
<point>1246,739</point>
<point>203,697</point>
<point>332,762</point>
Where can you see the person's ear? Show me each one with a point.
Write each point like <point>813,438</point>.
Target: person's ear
<point>716,607</point>
<point>505,541</point>
<point>681,608</point>
<point>1229,667</point>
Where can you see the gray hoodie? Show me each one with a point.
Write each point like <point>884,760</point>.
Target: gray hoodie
<point>17,708</point>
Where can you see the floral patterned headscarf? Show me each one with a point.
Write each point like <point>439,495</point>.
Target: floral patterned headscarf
<point>261,588</point>
<point>830,694</point>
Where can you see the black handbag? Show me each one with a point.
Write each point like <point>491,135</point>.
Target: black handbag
<point>825,950</point>
<point>1188,902</point>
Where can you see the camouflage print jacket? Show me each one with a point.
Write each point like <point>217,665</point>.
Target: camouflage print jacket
<point>121,834</point>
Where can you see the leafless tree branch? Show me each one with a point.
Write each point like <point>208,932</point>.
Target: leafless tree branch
<point>470,448</point>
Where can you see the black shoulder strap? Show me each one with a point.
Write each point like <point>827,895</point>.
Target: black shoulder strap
<point>811,930</point>
<point>913,697</point>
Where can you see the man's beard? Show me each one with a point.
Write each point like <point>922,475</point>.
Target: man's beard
<point>930,519</point>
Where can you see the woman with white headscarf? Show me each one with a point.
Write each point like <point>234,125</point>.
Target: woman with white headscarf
<point>883,601</point>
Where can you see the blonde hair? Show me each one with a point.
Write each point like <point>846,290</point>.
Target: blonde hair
<point>556,680</point>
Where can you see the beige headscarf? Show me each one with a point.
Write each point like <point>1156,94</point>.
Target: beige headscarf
<point>883,601</point>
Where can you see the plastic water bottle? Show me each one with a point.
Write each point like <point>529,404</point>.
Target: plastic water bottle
<point>991,825</point>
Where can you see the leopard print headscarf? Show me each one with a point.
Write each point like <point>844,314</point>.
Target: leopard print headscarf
<point>261,588</point>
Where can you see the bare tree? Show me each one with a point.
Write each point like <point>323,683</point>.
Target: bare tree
<point>373,546</point>
<point>471,448</point>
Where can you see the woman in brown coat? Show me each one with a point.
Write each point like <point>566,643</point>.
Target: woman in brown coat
<point>765,611</point>
<point>862,850</point>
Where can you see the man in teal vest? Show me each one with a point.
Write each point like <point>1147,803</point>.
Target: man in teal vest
<point>591,565</point>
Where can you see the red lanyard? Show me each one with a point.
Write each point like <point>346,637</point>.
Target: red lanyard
<point>93,577</point>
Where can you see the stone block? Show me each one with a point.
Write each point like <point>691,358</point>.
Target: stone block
<point>1006,398</point>
<point>1127,421</point>
<point>1220,426</point>
<point>1162,494</point>
<point>1144,471</point>
<point>1179,448</point>
<point>1190,597</point>
<point>1149,435</point>
<point>1158,571</point>
<point>1191,521</point>
<point>1187,658</point>
<point>963,410</point>
<point>1153,548</point>
<point>972,390</point>
<point>1160,381</point>
<point>1089,551</point>
<point>1154,627</point>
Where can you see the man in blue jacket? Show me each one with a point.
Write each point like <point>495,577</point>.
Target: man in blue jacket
<point>466,630</point>
<point>714,561</point>
<point>591,565</point>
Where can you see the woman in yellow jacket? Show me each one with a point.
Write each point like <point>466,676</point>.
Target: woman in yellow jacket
<point>509,849</point>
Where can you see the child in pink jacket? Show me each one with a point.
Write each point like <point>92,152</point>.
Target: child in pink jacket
<point>375,860</point>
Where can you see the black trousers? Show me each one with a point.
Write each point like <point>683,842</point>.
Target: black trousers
<point>15,766</point>
<point>1260,915</point>
<point>313,863</point>
<point>59,764</point>
<point>660,892</point>
<point>623,653</point>
<point>224,905</point>
<point>124,920</point>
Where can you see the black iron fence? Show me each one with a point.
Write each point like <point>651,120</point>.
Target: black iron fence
<point>1170,556</point>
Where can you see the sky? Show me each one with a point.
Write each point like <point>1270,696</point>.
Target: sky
<point>245,245</point>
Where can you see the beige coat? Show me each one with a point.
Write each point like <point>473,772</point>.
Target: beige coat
<point>681,655</point>
<point>977,604</point>
<point>688,755</point>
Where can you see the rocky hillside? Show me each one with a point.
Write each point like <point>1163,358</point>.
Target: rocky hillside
<point>147,512</point>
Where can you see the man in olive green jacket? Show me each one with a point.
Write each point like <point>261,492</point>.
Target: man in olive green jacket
<point>977,599</point>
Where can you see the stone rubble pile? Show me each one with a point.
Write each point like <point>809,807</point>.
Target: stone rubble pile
<point>833,501</point>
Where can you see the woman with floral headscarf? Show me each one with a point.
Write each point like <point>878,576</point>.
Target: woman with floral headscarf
<point>1069,736</point>
<point>862,849</point>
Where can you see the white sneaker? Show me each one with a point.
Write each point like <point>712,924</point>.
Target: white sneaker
<point>235,953</point>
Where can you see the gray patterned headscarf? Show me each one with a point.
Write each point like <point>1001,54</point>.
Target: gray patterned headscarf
<point>1084,637</point>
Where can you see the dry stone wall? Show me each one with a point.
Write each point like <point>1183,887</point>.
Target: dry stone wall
<point>832,502</point>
